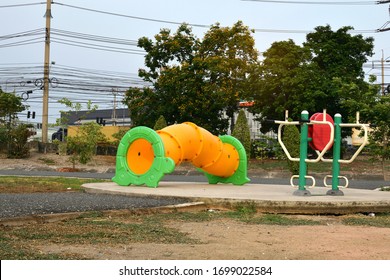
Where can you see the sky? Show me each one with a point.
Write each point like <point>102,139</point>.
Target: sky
<point>81,70</point>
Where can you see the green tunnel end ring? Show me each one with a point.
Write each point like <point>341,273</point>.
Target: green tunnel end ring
<point>240,176</point>
<point>161,165</point>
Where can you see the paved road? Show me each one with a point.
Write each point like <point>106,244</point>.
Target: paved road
<point>368,184</point>
<point>19,205</point>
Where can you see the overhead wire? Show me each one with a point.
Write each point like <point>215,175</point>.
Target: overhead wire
<point>320,2</point>
<point>73,81</point>
<point>21,5</point>
<point>78,84</point>
<point>77,40</point>
<point>199,25</point>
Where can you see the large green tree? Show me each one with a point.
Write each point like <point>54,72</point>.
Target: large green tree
<point>280,81</point>
<point>338,59</point>
<point>192,79</point>
<point>325,73</point>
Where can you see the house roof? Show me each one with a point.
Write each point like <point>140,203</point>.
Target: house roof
<point>105,114</point>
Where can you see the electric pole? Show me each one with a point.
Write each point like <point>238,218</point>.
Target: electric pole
<point>46,74</point>
<point>383,73</point>
<point>114,92</point>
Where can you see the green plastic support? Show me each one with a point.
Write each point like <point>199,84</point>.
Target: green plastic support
<point>335,191</point>
<point>161,165</point>
<point>302,191</point>
<point>240,176</point>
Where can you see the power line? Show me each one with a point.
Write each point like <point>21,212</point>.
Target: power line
<point>22,5</point>
<point>201,25</point>
<point>128,16</point>
<point>321,2</point>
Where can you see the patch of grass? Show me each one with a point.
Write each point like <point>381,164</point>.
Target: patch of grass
<point>16,184</point>
<point>103,229</point>
<point>379,220</point>
<point>47,161</point>
<point>385,189</point>
<point>281,220</point>
<point>183,216</point>
<point>12,248</point>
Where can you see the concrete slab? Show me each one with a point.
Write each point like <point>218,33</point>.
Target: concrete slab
<point>267,198</point>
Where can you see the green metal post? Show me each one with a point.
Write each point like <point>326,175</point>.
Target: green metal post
<point>303,156</point>
<point>335,191</point>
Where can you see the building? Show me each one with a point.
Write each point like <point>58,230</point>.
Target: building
<point>121,117</point>
<point>109,117</point>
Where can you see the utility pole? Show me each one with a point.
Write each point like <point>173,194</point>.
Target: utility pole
<point>46,74</point>
<point>114,92</point>
<point>383,73</point>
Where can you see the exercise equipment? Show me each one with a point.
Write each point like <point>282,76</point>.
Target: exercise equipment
<point>321,132</point>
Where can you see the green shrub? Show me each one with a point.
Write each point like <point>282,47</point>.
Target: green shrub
<point>160,124</point>
<point>291,139</point>
<point>17,141</point>
<point>242,133</point>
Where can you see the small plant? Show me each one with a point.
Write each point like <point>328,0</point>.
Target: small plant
<point>83,146</point>
<point>62,147</point>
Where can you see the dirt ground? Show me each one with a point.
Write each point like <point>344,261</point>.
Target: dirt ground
<point>226,238</point>
<point>232,240</point>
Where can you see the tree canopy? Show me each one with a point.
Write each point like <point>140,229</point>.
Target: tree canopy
<point>325,73</point>
<point>10,105</point>
<point>192,79</point>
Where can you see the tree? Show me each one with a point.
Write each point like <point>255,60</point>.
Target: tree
<point>325,73</point>
<point>242,132</point>
<point>229,55</point>
<point>73,106</point>
<point>378,115</point>
<point>10,105</point>
<point>143,106</point>
<point>13,137</point>
<point>193,80</point>
<point>280,83</point>
<point>337,59</point>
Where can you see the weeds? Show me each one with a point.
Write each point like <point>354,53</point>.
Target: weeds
<point>379,220</point>
<point>100,229</point>
<point>15,184</point>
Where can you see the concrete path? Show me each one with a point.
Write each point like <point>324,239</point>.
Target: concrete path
<point>267,198</point>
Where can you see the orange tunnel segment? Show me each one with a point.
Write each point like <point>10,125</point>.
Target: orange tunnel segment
<point>144,155</point>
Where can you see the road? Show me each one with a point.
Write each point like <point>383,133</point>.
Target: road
<point>368,184</point>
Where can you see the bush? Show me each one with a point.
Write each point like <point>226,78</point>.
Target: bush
<point>83,146</point>
<point>291,139</point>
<point>264,148</point>
<point>242,133</point>
<point>17,141</point>
<point>160,124</point>
<point>118,136</point>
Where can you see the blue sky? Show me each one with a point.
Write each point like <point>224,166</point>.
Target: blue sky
<point>273,17</point>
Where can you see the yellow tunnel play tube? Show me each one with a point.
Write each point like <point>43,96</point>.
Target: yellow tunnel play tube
<point>189,142</point>
<point>144,155</point>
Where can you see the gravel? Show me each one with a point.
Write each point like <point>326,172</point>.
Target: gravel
<point>19,205</point>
